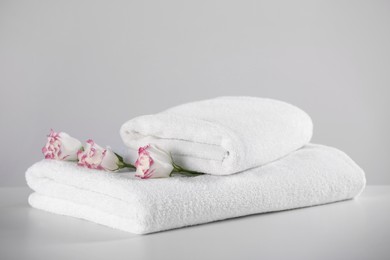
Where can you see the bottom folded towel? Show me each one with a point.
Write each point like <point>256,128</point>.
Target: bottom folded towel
<point>310,176</point>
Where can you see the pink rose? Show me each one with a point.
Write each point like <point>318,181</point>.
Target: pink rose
<point>153,162</point>
<point>61,146</point>
<point>95,157</point>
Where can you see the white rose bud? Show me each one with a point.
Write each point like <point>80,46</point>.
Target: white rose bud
<point>61,146</point>
<point>153,162</point>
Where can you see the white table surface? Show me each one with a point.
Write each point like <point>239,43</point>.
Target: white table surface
<point>354,229</point>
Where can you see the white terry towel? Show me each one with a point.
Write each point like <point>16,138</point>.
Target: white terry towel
<point>310,176</point>
<point>222,136</point>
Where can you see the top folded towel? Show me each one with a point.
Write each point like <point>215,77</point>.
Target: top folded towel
<point>224,135</point>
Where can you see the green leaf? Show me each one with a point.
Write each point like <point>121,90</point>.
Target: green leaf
<point>119,157</point>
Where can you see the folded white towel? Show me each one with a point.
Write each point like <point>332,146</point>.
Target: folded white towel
<point>310,176</point>
<point>223,135</point>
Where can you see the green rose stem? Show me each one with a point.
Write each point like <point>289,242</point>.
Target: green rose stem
<point>179,169</point>
<point>122,164</point>
<point>126,165</point>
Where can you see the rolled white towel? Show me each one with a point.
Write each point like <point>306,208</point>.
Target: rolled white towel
<point>224,135</point>
<point>310,176</point>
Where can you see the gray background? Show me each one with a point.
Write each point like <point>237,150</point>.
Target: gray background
<point>85,67</point>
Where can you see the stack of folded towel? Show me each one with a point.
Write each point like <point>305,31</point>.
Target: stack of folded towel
<point>255,153</point>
